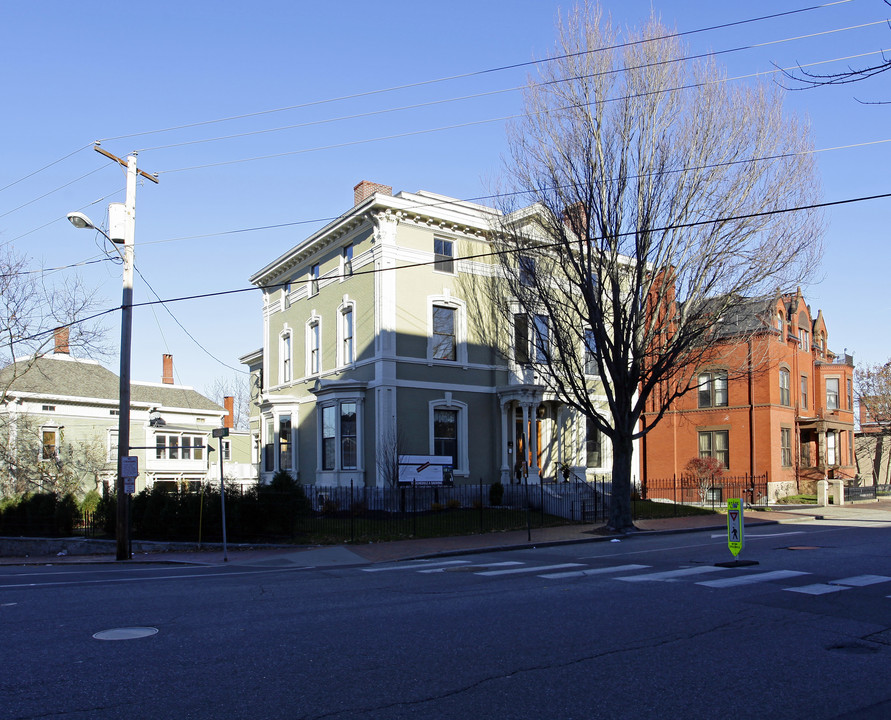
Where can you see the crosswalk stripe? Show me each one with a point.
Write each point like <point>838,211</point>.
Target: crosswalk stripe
<point>416,566</point>
<point>468,567</point>
<point>752,579</point>
<point>593,571</point>
<point>671,574</point>
<point>817,589</point>
<point>515,571</point>
<point>861,580</point>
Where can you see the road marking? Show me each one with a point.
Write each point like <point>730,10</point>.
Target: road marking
<point>594,571</point>
<point>669,575</point>
<point>416,566</point>
<point>817,589</point>
<point>861,580</point>
<point>231,573</point>
<point>515,571</point>
<point>468,567</point>
<point>753,536</point>
<point>752,579</point>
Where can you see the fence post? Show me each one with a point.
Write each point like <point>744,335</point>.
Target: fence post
<point>352,514</point>
<point>481,505</point>
<point>414,508</point>
<point>674,483</point>
<point>541,496</point>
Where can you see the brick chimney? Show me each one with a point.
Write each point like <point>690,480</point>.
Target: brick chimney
<point>366,189</point>
<point>167,372</point>
<point>229,419</point>
<point>61,337</point>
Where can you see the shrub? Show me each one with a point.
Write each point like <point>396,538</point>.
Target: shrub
<point>437,507</point>
<point>496,493</point>
<point>453,504</point>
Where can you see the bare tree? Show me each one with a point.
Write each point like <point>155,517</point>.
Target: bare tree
<point>237,387</point>
<point>30,465</point>
<point>662,199</point>
<point>873,387</point>
<point>803,79</point>
<point>31,309</point>
<point>391,454</point>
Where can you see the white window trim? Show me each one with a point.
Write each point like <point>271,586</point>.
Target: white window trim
<point>344,275</point>
<point>346,306</point>
<point>56,430</point>
<point>336,402</point>
<point>111,450</point>
<point>314,322</point>
<point>447,403</point>
<point>283,376</point>
<point>452,258</point>
<point>460,308</point>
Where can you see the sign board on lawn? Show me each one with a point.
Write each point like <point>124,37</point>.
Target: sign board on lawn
<point>425,469</point>
<point>735,526</point>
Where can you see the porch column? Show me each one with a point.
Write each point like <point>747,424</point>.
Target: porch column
<point>534,469</point>
<point>526,433</point>
<point>506,465</point>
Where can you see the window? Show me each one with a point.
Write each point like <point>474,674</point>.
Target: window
<point>444,340</point>
<point>590,353</point>
<point>49,443</point>
<point>850,447</point>
<point>786,446</point>
<point>346,329</point>
<point>804,392</point>
<point>713,388</point>
<point>785,395</point>
<point>314,280</point>
<point>227,450</point>
<point>178,447</point>
<point>269,447</point>
<point>286,363</point>
<point>172,447</point>
<point>780,324</point>
<point>849,398</point>
<point>329,438</point>
<point>348,445</point>
<point>315,347</point>
<point>443,251</point>
<point>286,295</point>
<point>347,259</point>
<point>521,338</point>
<point>192,447</point>
<point>112,445</point>
<point>445,434</point>
<point>284,442</point>
<point>716,444</point>
<point>527,270</point>
<point>49,408</point>
<point>804,335</point>
<point>339,430</point>
<point>831,448</point>
<point>832,393</point>
<point>593,444</point>
<point>187,448</point>
<point>542,339</point>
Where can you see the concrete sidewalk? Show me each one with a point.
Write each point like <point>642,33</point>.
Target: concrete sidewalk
<point>871,514</point>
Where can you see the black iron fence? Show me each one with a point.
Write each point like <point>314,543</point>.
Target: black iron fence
<point>707,492</point>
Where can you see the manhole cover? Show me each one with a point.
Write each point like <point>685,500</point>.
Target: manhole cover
<point>803,547</point>
<point>133,633</point>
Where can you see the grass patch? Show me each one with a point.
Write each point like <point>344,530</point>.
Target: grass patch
<point>649,510</point>
<point>797,500</point>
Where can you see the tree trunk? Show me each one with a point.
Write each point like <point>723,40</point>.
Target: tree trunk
<point>620,502</point>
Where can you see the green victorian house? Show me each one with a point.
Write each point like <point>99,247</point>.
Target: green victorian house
<point>378,347</point>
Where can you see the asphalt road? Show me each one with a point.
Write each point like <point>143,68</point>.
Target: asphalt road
<point>646,628</point>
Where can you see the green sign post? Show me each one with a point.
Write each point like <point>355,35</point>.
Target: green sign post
<point>735,526</point>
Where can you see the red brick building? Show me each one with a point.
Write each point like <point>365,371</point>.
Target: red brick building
<point>774,400</point>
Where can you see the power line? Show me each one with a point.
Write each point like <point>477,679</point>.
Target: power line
<point>675,226</point>
<point>39,170</point>
<point>61,187</point>
<point>63,217</point>
<point>503,118</point>
<point>495,196</point>
<point>183,328</point>
<point>475,73</point>
<point>517,88</point>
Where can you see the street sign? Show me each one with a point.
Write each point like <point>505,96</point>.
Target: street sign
<point>129,466</point>
<point>220,432</point>
<point>735,526</point>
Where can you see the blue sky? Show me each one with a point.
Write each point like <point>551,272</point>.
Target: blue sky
<point>75,72</point>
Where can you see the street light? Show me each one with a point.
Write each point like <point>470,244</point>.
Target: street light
<point>122,505</point>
